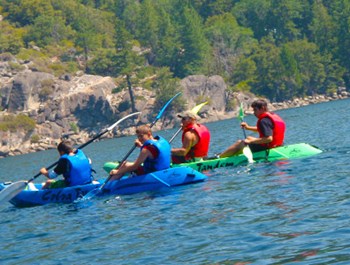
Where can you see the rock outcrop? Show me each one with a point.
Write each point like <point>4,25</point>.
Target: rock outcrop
<point>83,105</point>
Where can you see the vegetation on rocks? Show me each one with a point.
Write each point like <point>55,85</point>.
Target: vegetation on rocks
<point>13,123</point>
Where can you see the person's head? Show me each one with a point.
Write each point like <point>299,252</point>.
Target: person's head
<point>65,147</point>
<point>259,106</point>
<point>143,133</point>
<point>188,117</point>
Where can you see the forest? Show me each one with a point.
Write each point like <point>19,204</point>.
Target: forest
<point>279,49</point>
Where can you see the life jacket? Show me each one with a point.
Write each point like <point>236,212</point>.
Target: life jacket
<point>164,154</point>
<point>79,169</point>
<point>202,147</point>
<point>279,127</point>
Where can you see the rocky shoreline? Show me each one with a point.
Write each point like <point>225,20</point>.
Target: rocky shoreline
<point>82,137</point>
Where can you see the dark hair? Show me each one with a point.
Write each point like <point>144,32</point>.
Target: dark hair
<point>65,146</point>
<point>259,104</point>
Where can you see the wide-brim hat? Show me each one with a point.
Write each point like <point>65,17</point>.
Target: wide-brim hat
<point>188,114</point>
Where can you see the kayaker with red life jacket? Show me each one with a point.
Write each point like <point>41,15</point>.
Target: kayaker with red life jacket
<point>154,155</point>
<point>73,165</point>
<point>195,140</point>
<point>271,129</point>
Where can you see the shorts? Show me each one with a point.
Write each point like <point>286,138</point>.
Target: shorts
<point>257,148</point>
<point>58,184</point>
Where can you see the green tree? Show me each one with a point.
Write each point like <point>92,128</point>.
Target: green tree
<point>194,50</point>
<point>229,43</point>
<point>269,70</point>
<point>24,12</point>
<point>11,38</point>
<point>323,29</point>
<point>48,30</point>
<point>126,60</point>
<point>254,14</point>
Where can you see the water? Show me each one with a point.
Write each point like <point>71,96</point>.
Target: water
<point>290,212</point>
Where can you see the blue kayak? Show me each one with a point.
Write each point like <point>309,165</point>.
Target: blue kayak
<point>171,177</point>
<point>34,195</point>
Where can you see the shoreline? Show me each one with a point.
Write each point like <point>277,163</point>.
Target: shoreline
<point>78,139</point>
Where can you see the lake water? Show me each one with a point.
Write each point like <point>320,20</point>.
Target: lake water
<point>290,212</point>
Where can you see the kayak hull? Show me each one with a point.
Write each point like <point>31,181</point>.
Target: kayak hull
<point>299,150</point>
<point>167,178</point>
<point>34,195</point>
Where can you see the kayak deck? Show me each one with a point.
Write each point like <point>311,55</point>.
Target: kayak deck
<point>167,178</point>
<point>292,151</point>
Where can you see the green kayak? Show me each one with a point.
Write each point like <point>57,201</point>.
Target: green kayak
<point>292,151</point>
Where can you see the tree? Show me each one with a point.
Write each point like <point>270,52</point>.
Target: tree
<point>48,30</point>
<point>126,59</point>
<point>323,29</point>
<point>194,48</point>
<point>11,38</point>
<point>229,43</point>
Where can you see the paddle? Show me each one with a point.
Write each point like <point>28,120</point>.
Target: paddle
<point>246,150</point>
<point>194,110</point>
<point>94,192</point>
<point>12,190</point>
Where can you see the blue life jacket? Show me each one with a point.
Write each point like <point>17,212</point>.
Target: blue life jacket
<point>164,154</point>
<point>79,169</point>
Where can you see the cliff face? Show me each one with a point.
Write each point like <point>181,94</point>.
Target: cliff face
<point>82,106</point>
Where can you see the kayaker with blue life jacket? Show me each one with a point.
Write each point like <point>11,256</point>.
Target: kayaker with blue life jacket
<point>195,140</point>
<point>73,165</point>
<point>154,155</point>
<point>271,129</point>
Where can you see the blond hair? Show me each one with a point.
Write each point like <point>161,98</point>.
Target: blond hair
<point>143,129</point>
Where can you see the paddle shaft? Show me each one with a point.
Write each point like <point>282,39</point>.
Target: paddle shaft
<point>246,150</point>
<point>195,111</point>
<point>174,136</point>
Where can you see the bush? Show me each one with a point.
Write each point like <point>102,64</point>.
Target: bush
<point>35,139</point>
<point>74,127</point>
<point>14,123</point>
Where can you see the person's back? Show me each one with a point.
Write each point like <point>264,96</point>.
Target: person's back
<point>74,166</point>
<point>79,169</point>
<point>162,159</point>
<point>195,140</point>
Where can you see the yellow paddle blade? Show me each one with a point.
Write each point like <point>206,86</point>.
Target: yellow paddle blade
<point>198,107</point>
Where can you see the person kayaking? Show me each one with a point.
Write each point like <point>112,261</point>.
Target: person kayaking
<point>195,140</point>
<point>73,165</point>
<point>154,155</point>
<point>271,129</point>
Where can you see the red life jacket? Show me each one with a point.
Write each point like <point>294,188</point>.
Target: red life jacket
<point>279,127</point>
<point>202,147</point>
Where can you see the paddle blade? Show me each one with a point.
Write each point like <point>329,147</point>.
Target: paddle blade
<point>248,154</point>
<point>241,112</point>
<point>196,109</point>
<point>91,194</point>
<point>12,190</point>
<point>122,119</point>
